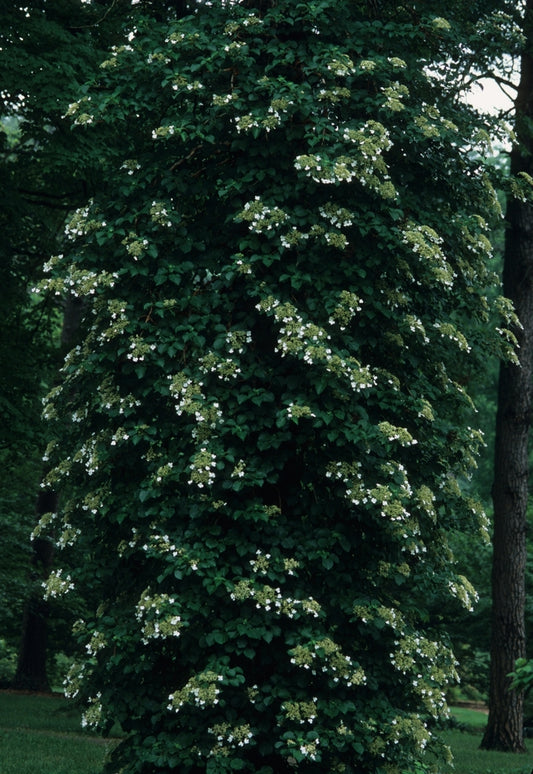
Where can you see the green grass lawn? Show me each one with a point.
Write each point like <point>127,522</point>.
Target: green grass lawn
<point>469,759</point>
<point>42,735</point>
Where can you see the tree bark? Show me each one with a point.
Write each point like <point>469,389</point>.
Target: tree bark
<point>511,466</point>
<point>31,674</point>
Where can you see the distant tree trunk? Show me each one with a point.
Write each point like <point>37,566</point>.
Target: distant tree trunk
<point>511,472</point>
<point>31,674</point>
<point>31,671</point>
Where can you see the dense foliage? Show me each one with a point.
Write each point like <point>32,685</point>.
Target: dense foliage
<point>263,436</point>
<point>47,51</point>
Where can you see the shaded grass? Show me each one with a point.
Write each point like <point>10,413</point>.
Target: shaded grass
<point>471,719</point>
<point>42,735</point>
<point>469,759</point>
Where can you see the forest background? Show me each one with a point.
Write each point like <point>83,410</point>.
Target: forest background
<point>49,174</point>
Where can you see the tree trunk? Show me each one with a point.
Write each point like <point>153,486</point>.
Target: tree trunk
<point>31,674</point>
<point>511,469</point>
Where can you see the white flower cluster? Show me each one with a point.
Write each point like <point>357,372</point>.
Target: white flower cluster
<point>138,349</point>
<point>193,402</point>
<point>135,245</point>
<point>239,470</point>
<point>367,65</point>
<point>158,617</point>
<point>110,398</point>
<point>477,244</point>
<point>295,333</point>
<point>80,415</point>
<point>77,282</point>
<point>463,590</point>
<point>366,167</point>
<point>389,615</point>
<point>325,656</point>
<point>394,95</point>
<point>394,433</point>
<point>301,711</point>
<point>226,369</point>
<point>234,47</point>
<point>75,675</point>
<point>342,65</point>
<point>271,599</point>
<point>81,118</point>
<point>203,468</point>
<point>236,340</point>
<point>424,241</point>
<point>441,24</point>
<point>343,169</point>
<point>96,643</point>
<point>162,132</point>
<point>261,217</point>
<point>94,501</point>
<point>87,455</point>
<point>115,53</point>
<point>201,691</point>
<point>449,331</point>
<point>157,56</point>
<point>372,139</point>
<point>310,749</point>
<point>246,123</point>
<point>261,563</point>
<point>412,727</point>
<point>92,716</point>
<point>391,504</point>
<point>335,94</point>
<point>163,472</point>
<point>77,225</point>
<point>119,320</point>
<point>349,305</point>
<point>415,325</point>
<point>267,121</point>
<point>228,737</point>
<point>176,37</point>
<point>396,62</point>
<point>337,216</point>
<point>309,342</point>
<point>224,99</point>
<point>182,83</point>
<point>68,536</point>
<point>336,239</point>
<point>57,584</point>
<point>293,238</point>
<point>295,411</point>
<point>45,522</point>
<point>130,165</point>
<point>159,212</point>
<point>430,667</point>
<point>119,436</point>
<point>160,543</point>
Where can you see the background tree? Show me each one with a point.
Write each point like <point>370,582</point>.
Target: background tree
<point>511,471</point>
<point>47,51</point>
<point>268,419</point>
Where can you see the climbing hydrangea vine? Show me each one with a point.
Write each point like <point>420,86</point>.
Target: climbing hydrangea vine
<point>263,434</point>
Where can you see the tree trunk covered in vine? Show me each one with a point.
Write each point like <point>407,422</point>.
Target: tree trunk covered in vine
<point>31,671</point>
<point>31,674</point>
<point>510,489</point>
